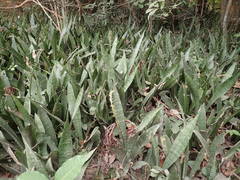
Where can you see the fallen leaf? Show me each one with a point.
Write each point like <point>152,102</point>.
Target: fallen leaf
<point>227,168</point>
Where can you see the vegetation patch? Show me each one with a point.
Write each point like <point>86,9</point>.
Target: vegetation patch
<point>119,102</point>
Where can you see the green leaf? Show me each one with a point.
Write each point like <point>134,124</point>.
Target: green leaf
<point>183,98</point>
<point>73,106</point>
<point>170,71</point>
<point>4,125</point>
<point>35,90</point>
<point>70,98</point>
<point>139,165</point>
<point>202,122</point>
<point>148,118</point>
<point>233,132</point>
<point>73,167</point>
<point>229,72</point>
<point>134,53</point>
<point>30,175</point>
<point>201,139</point>
<point>129,79</point>
<point>26,117</point>
<point>78,102</point>
<point>214,148</point>
<point>65,147</point>
<point>32,159</point>
<point>197,163</point>
<point>39,125</point>
<point>143,139</point>
<point>118,113</point>
<point>213,168</point>
<point>180,143</point>
<point>48,125</point>
<point>52,84</point>
<point>195,89</point>
<point>222,88</point>
<point>122,65</point>
<point>114,48</point>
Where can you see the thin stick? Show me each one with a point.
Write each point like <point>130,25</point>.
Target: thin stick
<point>17,6</point>
<point>44,10</point>
<point>225,19</point>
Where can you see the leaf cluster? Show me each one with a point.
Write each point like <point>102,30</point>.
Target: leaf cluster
<point>60,89</point>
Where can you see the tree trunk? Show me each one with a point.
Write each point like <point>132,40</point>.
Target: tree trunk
<point>201,8</point>
<point>230,14</point>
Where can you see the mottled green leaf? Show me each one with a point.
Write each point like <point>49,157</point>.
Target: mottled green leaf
<point>118,113</point>
<point>222,88</point>
<point>30,175</point>
<point>180,143</point>
<point>73,167</point>
<point>65,147</point>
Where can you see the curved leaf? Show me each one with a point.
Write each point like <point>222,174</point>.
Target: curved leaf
<point>33,160</point>
<point>222,88</point>
<point>147,119</point>
<point>30,175</point>
<point>73,167</point>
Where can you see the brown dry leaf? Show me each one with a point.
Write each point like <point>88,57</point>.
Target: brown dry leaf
<point>144,92</point>
<point>237,84</point>
<point>131,128</point>
<point>199,176</point>
<point>236,159</point>
<point>9,91</point>
<point>148,146</point>
<point>6,175</point>
<point>149,107</point>
<point>204,163</point>
<point>162,158</point>
<point>109,138</point>
<point>140,65</point>
<point>109,158</point>
<point>227,168</point>
<point>174,113</point>
<point>106,156</point>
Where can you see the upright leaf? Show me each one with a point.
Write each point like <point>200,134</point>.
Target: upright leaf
<point>32,159</point>
<point>129,79</point>
<point>133,58</point>
<point>202,122</point>
<point>65,147</point>
<point>73,107</point>
<point>48,125</point>
<point>195,90</point>
<point>180,143</point>
<point>118,113</point>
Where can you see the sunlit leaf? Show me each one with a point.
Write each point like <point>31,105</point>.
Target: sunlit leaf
<point>73,167</point>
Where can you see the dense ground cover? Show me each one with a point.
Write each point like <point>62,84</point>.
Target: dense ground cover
<point>118,101</point>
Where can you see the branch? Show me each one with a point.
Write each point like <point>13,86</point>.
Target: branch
<point>17,6</point>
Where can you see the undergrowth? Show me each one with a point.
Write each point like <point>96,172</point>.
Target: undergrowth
<point>118,103</point>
